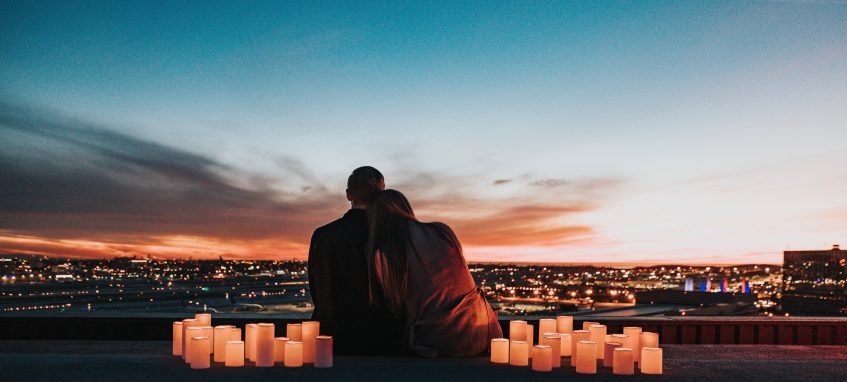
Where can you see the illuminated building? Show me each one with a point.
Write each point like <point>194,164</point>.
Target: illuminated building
<point>815,282</point>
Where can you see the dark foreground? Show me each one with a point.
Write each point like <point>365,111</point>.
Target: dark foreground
<point>151,361</point>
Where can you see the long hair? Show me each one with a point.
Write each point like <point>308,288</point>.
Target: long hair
<point>388,216</point>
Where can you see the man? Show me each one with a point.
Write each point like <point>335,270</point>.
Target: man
<point>338,276</point>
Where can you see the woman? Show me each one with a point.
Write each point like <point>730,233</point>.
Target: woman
<point>420,269</point>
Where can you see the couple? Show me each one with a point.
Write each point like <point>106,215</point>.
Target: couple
<point>383,282</point>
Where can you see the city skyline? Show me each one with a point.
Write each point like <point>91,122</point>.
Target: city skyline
<point>613,133</point>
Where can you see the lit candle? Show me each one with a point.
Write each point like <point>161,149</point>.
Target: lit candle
<point>651,360</point>
<point>177,338</point>
<point>646,339</point>
<point>623,362</point>
<point>634,333</point>
<point>234,353</point>
<point>250,341</point>
<point>541,358</point>
<point>221,336</point>
<point>294,332</point>
<point>576,336</point>
<point>518,353</point>
<point>554,341</point>
<point>587,324</point>
<point>598,336</point>
<point>189,334</point>
<point>530,338</point>
<point>564,324</point>
<point>264,348</point>
<point>201,348</point>
<point>323,351</point>
<point>209,331</point>
<point>499,350</point>
<point>279,349</point>
<point>517,330</point>
<point>620,338</point>
<point>293,354</point>
<point>586,357</point>
<point>609,353</point>
<point>235,334</point>
<point>608,338</point>
<point>547,325</point>
<point>187,323</point>
<point>310,330</point>
<point>566,344</point>
<point>204,318</point>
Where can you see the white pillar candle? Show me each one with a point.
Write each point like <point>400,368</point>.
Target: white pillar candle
<point>310,330</point>
<point>264,345</point>
<point>530,338</point>
<point>566,344</point>
<point>204,318</point>
<point>554,341</point>
<point>323,351</point>
<point>542,358</point>
<point>564,324</point>
<point>192,332</point>
<point>294,332</point>
<point>634,333</point>
<point>499,350</point>
<point>518,353</point>
<point>598,336</point>
<point>646,339</point>
<point>587,324</point>
<point>250,341</point>
<point>220,339</point>
<point>177,338</point>
<point>623,362</point>
<point>586,357</point>
<point>234,353</point>
<point>609,353</point>
<point>517,330</point>
<point>576,336</point>
<point>620,338</point>
<point>293,354</point>
<point>201,348</point>
<point>235,334</point>
<point>209,331</point>
<point>187,323</point>
<point>651,360</point>
<point>279,349</point>
<point>546,325</point>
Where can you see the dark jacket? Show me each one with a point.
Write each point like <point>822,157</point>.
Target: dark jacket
<point>338,281</point>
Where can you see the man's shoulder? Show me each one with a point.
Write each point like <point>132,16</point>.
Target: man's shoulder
<point>328,229</point>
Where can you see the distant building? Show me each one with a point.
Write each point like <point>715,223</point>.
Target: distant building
<point>815,282</point>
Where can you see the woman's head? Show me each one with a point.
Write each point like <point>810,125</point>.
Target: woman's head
<point>389,215</point>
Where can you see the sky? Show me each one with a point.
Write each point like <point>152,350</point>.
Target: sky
<point>550,132</point>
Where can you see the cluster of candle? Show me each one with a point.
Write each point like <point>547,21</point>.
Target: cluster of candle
<point>199,343</point>
<point>585,348</point>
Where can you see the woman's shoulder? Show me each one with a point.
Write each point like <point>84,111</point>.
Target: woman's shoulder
<point>440,230</point>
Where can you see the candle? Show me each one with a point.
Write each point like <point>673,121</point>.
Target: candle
<point>264,348</point>
<point>250,341</point>
<point>651,360</point>
<point>620,338</point>
<point>204,318</point>
<point>634,333</point>
<point>547,325</point>
<point>221,336</point>
<point>554,341</point>
<point>279,349</point>
<point>608,338</point>
<point>310,330</point>
<point>566,344</point>
<point>235,334</point>
<point>499,350</point>
<point>187,323</point>
<point>294,332</point>
<point>586,357</point>
<point>208,331</point>
<point>293,354</point>
<point>518,353</point>
<point>598,336</point>
<point>530,338</point>
<point>234,353</point>
<point>609,353</point>
<point>646,339</point>
<point>576,336</point>
<point>587,324</point>
<point>517,330</point>
<point>541,358</point>
<point>177,338</point>
<point>190,333</point>
<point>323,351</point>
<point>623,362</point>
<point>201,348</point>
<point>564,324</point>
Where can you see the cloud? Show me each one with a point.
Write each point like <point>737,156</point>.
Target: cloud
<point>550,183</point>
<point>501,181</point>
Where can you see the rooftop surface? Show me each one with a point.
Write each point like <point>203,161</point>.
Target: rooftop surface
<point>147,361</point>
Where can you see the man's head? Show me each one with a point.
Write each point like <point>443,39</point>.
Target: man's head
<point>363,185</point>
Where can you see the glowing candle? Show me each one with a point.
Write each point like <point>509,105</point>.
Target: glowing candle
<point>264,348</point>
<point>499,350</point>
<point>609,353</point>
<point>177,338</point>
<point>541,358</point>
<point>566,344</point>
<point>234,353</point>
<point>554,341</point>
<point>517,330</point>
<point>293,354</point>
<point>323,351</point>
<point>608,338</point>
<point>651,360</point>
<point>235,334</point>
<point>587,324</point>
<point>634,333</point>
<point>598,336</point>
<point>576,336</point>
<point>530,338</point>
<point>205,319</point>
<point>546,325</point>
<point>221,336</point>
<point>586,357</point>
<point>646,339</point>
<point>620,338</point>
<point>279,349</point>
<point>187,323</point>
<point>623,362</point>
<point>310,330</point>
<point>294,332</point>
<point>189,334</point>
<point>518,353</point>
<point>564,324</point>
<point>250,341</point>
<point>201,348</point>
